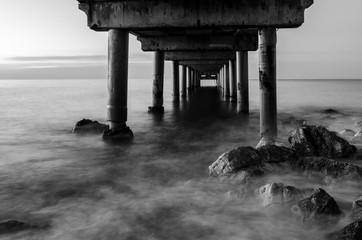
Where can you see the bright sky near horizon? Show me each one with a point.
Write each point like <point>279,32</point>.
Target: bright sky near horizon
<point>35,33</point>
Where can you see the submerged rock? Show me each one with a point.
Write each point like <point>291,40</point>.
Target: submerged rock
<point>11,226</point>
<point>328,167</point>
<point>330,111</point>
<point>234,161</point>
<point>276,154</point>
<point>319,208</point>
<point>318,141</point>
<point>279,193</point>
<point>347,133</point>
<point>85,126</point>
<point>352,231</point>
<point>356,211</point>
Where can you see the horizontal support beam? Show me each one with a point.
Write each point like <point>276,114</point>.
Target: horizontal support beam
<point>242,42</point>
<point>145,14</point>
<point>200,55</point>
<point>204,62</point>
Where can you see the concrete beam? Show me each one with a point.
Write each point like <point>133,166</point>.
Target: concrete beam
<point>200,55</point>
<point>248,41</point>
<point>204,62</point>
<point>144,14</point>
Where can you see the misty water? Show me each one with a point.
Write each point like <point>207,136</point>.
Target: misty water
<point>157,187</point>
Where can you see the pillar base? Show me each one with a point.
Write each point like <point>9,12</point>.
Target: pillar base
<point>118,135</point>
<point>156,109</point>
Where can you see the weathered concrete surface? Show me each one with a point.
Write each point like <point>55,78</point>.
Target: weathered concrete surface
<point>200,42</point>
<point>242,78</point>
<point>267,82</point>
<point>200,55</point>
<point>144,14</point>
<point>158,78</point>
<point>117,78</point>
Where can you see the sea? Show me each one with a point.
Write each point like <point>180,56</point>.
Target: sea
<point>158,186</point>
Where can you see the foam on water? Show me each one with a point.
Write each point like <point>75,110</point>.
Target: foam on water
<point>156,187</point>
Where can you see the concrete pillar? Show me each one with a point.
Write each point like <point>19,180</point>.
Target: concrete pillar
<point>242,76</point>
<point>222,81</point>
<point>176,81</point>
<point>189,78</point>
<point>232,73</point>
<point>157,91</point>
<point>227,82</point>
<point>183,80</point>
<point>117,85</point>
<point>267,81</point>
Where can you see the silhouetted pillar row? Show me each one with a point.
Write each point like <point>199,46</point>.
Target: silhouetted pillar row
<point>242,76</point>
<point>183,80</point>
<point>233,95</point>
<point>189,78</point>
<point>117,78</point>
<point>157,91</point>
<point>176,81</point>
<point>226,80</point>
<point>267,81</point>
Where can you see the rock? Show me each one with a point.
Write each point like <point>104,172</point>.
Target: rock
<point>357,137</point>
<point>358,124</point>
<point>233,161</point>
<point>15,226</point>
<point>347,133</point>
<point>266,140</point>
<point>318,141</point>
<point>88,126</point>
<point>330,111</point>
<point>119,135</point>
<point>352,231</point>
<point>319,208</point>
<point>328,167</point>
<point>279,193</point>
<point>356,211</point>
<point>358,134</point>
<point>276,154</point>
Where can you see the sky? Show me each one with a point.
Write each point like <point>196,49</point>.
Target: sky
<point>45,39</point>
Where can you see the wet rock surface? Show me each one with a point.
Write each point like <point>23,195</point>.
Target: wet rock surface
<point>234,161</point>
<point>278,193</point>
<point>319,208</point>
<point>328,167</point>
<point>352,231</point>
<point>87,126</point>
<point>330,111</point>
<point>356,211</point>
<point>358,124</point>
<point>318,141</point>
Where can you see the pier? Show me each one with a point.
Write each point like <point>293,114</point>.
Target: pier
<point>204,38</point>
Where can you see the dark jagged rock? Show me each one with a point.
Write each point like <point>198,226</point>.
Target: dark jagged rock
<point>11,226</point>
<point>319,208</point>
<point>356,211</point>
<point>234,161</point>
<point>86,126</point>
<point>328,167</point>
<point>330,111</point>
<point>352,231</point>
<point>118,135</point>
<point>318,141</point>
<point>278,193</point>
